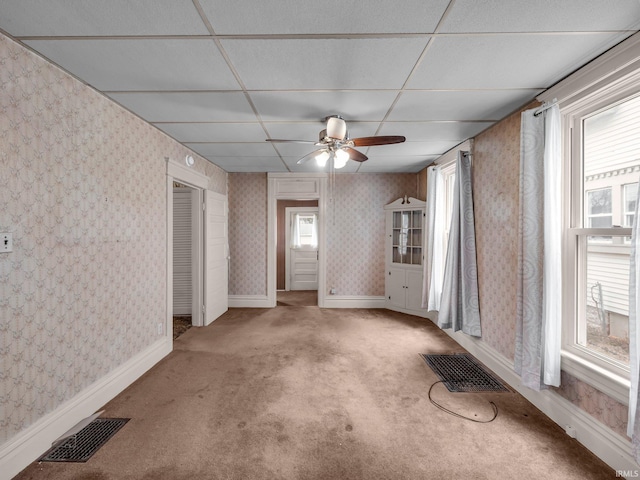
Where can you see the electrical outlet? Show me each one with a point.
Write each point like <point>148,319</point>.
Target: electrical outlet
<point>6,242</point>
<point>332,291</point>
<point>160,329</point>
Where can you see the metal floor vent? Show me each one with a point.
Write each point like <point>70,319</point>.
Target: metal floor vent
<point>460,372</point>
<point>81,446</point>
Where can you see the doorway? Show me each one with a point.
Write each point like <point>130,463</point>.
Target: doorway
<point>297,253</point>
<point>208,248</point>
<point>183,257</point>
<point>294,187</point>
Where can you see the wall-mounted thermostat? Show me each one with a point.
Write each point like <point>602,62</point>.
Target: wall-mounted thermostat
<point>6,242</point>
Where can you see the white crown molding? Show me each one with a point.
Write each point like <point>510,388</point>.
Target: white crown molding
<point>613,65</point>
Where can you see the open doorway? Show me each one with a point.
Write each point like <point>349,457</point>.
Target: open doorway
<point>297,253</point>
<point>184,256</point>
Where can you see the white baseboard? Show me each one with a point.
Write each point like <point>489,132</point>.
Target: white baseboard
<point>353,301</point>
<point>609,446</point>
<point>28,445</point>
<point>249,301</point>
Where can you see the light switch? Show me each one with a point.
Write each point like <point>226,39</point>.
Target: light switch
<point>6,242</point>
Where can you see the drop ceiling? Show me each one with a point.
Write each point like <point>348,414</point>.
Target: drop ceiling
<point>222,76</point>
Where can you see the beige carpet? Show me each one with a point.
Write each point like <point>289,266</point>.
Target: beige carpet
<point>297,298</point>
<point>309,393</point>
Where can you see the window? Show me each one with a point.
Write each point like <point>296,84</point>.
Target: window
<point>629,199</point>
<point>304,232</point>
<point>603,171</point>
<point>449,181</point>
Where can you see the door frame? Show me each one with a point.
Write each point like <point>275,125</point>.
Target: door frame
<point>287,238</point>
<point>295,186</point>
<point>198,182</point>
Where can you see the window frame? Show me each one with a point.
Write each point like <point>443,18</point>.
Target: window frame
<point>603,373</point>
<point>626,212</point>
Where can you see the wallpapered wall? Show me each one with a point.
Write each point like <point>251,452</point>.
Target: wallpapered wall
<point>248,233</point>
<point>83,190</point>
<point>496,202</point>
<point>355,241</point>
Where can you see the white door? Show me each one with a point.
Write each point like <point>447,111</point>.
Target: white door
<point>302,255</point>
<point>216,256</point>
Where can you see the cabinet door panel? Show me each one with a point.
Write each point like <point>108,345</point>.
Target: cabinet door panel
<point>414,289</point>
<point>395,287</point>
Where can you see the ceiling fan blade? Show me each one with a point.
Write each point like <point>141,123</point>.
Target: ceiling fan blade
<point>355,155</point>
<point>279,140</point>
<point>309,156</point>
<point>381,140</point>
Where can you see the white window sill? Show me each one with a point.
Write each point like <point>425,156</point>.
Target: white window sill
<point>607,382</point>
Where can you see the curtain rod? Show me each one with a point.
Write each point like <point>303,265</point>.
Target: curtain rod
<point>545,106</point>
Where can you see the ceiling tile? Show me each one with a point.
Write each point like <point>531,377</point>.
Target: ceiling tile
<point>97,17</point>
<point>285,64</point>
<point>142,64</point>
<point>316,106</point>
<point>506,61</point>
<point>214,132</point>
<point>211,150</point>
<point>417,131</point>
<point>311,130</point>
<point>188,106</point>
<point>326,17</point>
<point>383,164</point>
<point>249,164</point>
<point>541,15</point>
<point>434,147</point>
<point>312,166</point>
<point>459,105</point>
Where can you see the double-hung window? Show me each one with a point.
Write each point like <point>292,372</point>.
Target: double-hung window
<point>602,167</point>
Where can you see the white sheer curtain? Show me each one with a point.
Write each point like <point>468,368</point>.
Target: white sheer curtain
<point>539,302</point>
<point>633,427</point>
<point>434,241</point>
<point>460,306</point>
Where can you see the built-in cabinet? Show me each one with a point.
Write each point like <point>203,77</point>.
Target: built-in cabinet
<point>404,255</point>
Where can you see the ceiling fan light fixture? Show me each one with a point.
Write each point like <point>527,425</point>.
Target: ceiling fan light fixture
<point>322,157</point>
<point>340,158</point>
<point>336,128</point>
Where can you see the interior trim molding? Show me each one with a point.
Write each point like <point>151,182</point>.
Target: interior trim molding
<point>617,63</point>
<point>249,301</point>
<point>354,301</point>
<point>27,446</point>
<point>609,446</point>
<point>296,186</point>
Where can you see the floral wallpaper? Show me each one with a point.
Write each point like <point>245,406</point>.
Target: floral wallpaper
<point>354,266</point>
<point>83,191</point>
<point>248,233</point>
<point>496,167</point>
<point>355,230</point>
<point>496,183</point>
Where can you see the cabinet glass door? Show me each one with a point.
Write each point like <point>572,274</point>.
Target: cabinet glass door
<point>406,237</point>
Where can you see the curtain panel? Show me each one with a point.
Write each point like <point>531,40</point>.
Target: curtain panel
<point>538,317</point>
<point>459,305</point>
<point>633,427</point>
<point>434,240</point>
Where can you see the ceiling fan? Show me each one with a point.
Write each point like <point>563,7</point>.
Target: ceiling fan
<point>335,144</point>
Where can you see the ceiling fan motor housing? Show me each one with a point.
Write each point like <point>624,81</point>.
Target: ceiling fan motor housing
<point>336,128</point>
